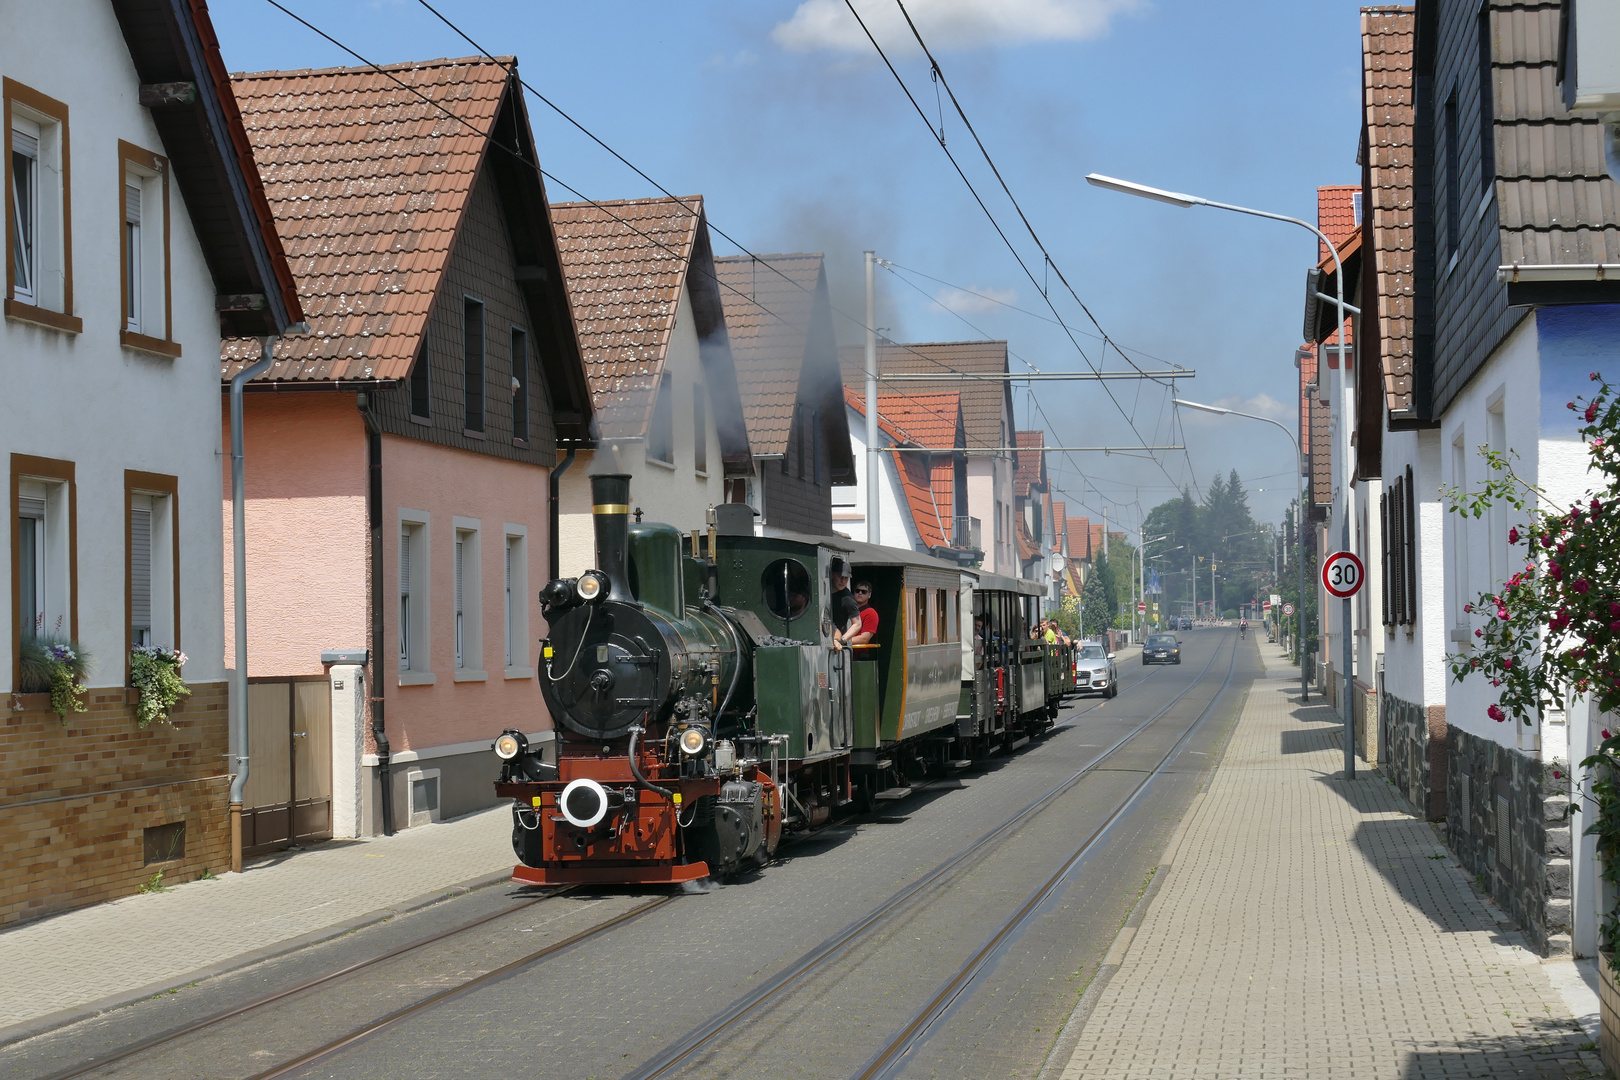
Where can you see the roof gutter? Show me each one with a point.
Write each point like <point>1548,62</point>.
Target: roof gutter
<point>1514,273</point>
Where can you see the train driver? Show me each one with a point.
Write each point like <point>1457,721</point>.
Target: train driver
<point>869,615</point>
<point>846,614</point>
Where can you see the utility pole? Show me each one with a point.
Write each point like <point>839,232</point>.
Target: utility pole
<point>1213,604</point>
<point>874,530</point>
<point>1194,576</point>
<point>1105,534</point>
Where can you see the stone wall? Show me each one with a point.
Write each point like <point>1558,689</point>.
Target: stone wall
<point>1368,744</point>
<point>1413,741</point>
<point>77,799</point>
<point>1505,823</point>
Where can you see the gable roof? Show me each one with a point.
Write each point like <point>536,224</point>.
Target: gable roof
<point>985,403</point>
<point>927,480</point>
<point>1336,216</point>
<point>770,302</point>
<point>1079,530</point>
<point>1031,467</point>
<point>627,263</point>
<point>1387,45</point>
<point>173,41</point>
<point>369,182</point>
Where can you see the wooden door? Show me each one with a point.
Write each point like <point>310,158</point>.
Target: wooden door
<point>287,800</point>
<point>312,761</point>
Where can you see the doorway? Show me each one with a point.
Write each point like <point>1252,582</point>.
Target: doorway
<point>287,801</point>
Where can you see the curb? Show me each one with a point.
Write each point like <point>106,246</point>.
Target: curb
<point>39,1025</point>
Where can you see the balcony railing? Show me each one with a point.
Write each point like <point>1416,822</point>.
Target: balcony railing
<point>965,533</point>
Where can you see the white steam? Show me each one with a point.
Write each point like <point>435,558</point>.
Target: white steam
<point>947,24</point>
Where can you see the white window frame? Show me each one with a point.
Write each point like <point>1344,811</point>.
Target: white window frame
<point>1461,576</point>
<point>51,289</point>
<point>467,599</point>
<point>415,667</point>
<point>25,208</point>
<point>159,507</point>
<point>134,300</point>
<point>518,659</point>
<point>53,614</point>
<point>661,423</point>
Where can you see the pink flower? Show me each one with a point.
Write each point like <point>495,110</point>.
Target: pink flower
<point>1554,570</point>
<point>1507,661</point>
<point>1495,713</point>
<point>1468,608</point>
<point>1546,541</point>
<point>1605,730</point>
<point>1583,586</point>
<point>1614,627</point>
<point>1596,376</point>
<point>1513,535</point>
<point>1591,412</point>
<point>1596,443</point>
<point>1597,507</point>
<point>1496,682</point>
<point>1557,775</point>
<point>1614,608</point>
<point>1479,633</point>
<point>1572,406</point>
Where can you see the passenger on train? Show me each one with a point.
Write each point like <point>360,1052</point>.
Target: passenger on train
<point>869,615</point>
<point>845,613</point>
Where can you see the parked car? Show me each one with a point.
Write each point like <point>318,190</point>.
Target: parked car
<point>1095,671</point>
<point>1161,649</point>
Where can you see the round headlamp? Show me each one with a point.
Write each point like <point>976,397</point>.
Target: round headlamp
<point>694,741</point>
<point>591,584</point>
<point>510,745</point>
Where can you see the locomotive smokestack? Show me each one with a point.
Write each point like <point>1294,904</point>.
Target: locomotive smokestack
<point>610,510</point>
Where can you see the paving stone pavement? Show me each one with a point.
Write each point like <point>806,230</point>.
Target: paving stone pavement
<point>1309,928</point>
<point>98,953</point>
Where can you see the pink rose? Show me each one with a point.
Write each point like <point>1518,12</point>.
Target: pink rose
<point>1605,733</point>
<point>1591,412</point>
<point>1557,775</point>
<point>1583,586</point>
<point>1507,661</point>
<point>1468,607</point>
<point>1495,713</point>
<point>1513,535</point>
<point>1614,608</point>
<point>1597,507</point>
<point>1596,443</point>
<point>1554,570</point>
<point>1546,541</point>
<point>1479,633</point>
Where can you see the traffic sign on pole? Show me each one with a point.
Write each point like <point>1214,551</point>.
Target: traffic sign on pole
<point>1141,607</point>
<point>1342,574</point>
<point>1288,609</point>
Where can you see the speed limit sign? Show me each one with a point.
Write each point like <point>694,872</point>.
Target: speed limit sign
<point>1342,574</point>
<point>1288,609</point>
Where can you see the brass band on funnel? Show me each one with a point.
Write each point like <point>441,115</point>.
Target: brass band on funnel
<point>611,508</point>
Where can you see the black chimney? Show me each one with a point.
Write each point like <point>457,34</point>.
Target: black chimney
<point>610,508</point>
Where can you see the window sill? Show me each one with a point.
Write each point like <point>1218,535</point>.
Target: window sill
<point>417,678</point>
<point>51,320</point>
<point>519,673</point>
<point>143,343</point>
<point>701,474</point>
<point>670,465</point>
<point>469,675</point>
<point>425,421</point>
<point>520,443</point>
<point>471,434</point>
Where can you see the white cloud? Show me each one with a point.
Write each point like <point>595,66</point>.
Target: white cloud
<point>967,301</point>
<point>947,24</point>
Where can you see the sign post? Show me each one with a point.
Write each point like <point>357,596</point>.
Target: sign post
<point>1342,576</point>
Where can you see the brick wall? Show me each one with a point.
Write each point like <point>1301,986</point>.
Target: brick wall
<point>76,798</point>
<point>1414,753</point>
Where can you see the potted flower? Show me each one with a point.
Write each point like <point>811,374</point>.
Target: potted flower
<point>56,666</point>
<point>155,672</point>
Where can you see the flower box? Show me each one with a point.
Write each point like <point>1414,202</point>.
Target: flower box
<point>1609,1006</point>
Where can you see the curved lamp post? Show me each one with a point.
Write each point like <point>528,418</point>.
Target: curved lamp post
<point>1176,198</point>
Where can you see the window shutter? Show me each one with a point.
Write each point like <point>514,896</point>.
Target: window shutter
<point>140,576</point>
<point>405,561</point>
<point>132,204</point>
<point>1409,547</point>
<point>459,550</point>
<point>1383,553</point>
<point>30,508</point>
<point>24,143</point>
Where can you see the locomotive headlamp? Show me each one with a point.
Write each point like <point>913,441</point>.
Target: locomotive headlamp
<point>694,741</point>
<point>591,584</point>
<point>510,745</point>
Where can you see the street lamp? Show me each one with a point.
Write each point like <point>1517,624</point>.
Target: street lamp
<point>1176,198</point>
<point>1304,691</point>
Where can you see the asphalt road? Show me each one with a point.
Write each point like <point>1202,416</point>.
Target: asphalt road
<point>615,1002</point>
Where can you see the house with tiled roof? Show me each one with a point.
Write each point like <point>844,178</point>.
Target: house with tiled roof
<point>401,455</point>
<point>923,476</point>
<point>1032,495</point>
<point>652,330</point>
<point>1487,281</point>
<point>987,419</point>
<point>136,234</point>
<point>779,317</point>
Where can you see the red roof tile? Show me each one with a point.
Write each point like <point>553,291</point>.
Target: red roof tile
<point>985,404</point>
<point>367,182</point>
<point>1031,467</point>
<point>625,262</point>
<point>928,480</point>
<point>1080,538</point>
<point>1387,44</point>
<point>1336,216</point>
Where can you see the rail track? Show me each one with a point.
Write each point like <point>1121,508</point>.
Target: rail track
<point>705,1036</point>
<point>682,1050</point>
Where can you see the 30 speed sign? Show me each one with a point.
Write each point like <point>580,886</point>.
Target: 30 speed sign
<point>1342,574</point>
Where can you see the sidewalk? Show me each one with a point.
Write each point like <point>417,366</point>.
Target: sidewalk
<point>142,944</point>
<point>1305,927</point>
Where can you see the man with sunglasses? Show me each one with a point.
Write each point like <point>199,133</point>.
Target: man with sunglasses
<point>869,615</point>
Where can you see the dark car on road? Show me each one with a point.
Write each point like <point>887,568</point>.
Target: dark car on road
<point>1161,649</point>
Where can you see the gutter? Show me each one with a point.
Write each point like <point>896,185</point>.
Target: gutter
<point>554,523</point>
<point>374,697</point>
<point>1514,273</point>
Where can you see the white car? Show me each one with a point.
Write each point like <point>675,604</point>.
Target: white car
<point>1094,670</point>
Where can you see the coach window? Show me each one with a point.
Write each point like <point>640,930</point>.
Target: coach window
<point>785,589</point>
<point>942,615</point>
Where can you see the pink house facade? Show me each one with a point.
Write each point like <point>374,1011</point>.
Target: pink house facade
<point>399,458</point>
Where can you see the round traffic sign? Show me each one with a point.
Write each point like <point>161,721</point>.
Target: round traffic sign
<point>1288,609</point>
<point>1342,574</point>
<point>1141,606</point>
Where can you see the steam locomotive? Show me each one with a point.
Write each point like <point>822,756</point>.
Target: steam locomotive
<point>702,710</point>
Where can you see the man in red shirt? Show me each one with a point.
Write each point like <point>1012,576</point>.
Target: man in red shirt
<point>869,615</point>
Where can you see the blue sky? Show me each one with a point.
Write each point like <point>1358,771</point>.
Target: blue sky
<point>783,117</point>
